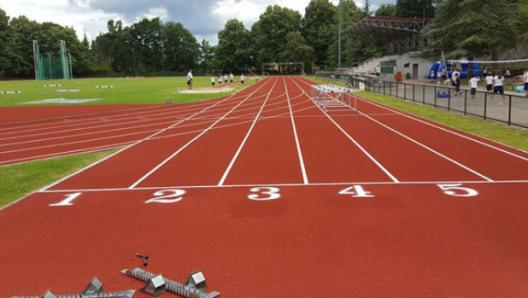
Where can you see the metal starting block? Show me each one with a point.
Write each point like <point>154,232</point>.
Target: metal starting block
<point>195,287</point>
<point>93,290</point>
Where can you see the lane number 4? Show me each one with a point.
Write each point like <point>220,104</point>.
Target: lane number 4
<point>356,191</point>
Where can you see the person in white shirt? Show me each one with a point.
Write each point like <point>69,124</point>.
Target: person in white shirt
<point>220,77</point>
<point>242,78</point>
<point>473,83</point>
<point>498,86</point>
<point>455,75</point>
<point>231,77</point>
<point>256,79</point>
<point>489,82</point>
<point>507,73</point>
<point>378,71</point>
<point>225,79</point>
<point>190,80</point>
<point>213,80</point>
<point>525,80</point>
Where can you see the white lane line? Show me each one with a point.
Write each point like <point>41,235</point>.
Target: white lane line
<point>299,151</point>
<point>193,140</point>
<point>417,118</point>
<point>226,173</point>
<point>479,182</point>
<point>427,148</point>
<point>129,146</point>
<point>354,141</point>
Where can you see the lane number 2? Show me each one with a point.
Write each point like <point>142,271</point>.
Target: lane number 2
<point>356,191</point>
<point>68,201</point>
<point>167,196</point>
<point>456,190</point>
<point>265,194</point>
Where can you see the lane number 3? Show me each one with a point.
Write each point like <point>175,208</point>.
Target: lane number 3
<point>265,194</point>
<point>456,190</point>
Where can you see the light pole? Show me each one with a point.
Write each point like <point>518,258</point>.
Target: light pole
<point>340,25</point>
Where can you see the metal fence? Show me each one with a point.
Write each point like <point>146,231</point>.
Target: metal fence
<point>514,111</point>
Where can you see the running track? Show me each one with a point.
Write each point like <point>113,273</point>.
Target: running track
<point>271,197</point>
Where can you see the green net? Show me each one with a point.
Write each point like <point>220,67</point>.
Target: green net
<point>52,67</point>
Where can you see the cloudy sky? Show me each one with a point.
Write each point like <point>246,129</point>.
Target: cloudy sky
<point>204,18</point>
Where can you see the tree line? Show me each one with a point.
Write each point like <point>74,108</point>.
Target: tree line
<point>470,28</point>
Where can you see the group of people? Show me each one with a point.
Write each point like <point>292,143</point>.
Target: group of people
<point>222,79</point>
<point>494,84</point>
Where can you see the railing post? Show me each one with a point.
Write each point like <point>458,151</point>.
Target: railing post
<point>414,92</point>
<point>398,91</point>
<point>465,104</point>
<point>509,110</point>
<point>485,107</point>
<point>435,94</point>
<point>404,91</point>
<point>423,98</point>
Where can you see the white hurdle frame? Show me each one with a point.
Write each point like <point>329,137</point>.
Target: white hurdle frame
<point>11,92</point>
<point>44,91</point>
<point>59,92</point>
<point>104,87</point>
<point>344,96</point>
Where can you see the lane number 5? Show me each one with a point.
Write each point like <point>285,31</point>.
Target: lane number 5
<point>456,190</point>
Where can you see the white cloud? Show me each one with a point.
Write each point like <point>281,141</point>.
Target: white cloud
<point>204,18</point>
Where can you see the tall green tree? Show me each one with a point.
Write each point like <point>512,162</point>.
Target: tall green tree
<point>269,33</point>
<point>415,8</point>
<point>297,50</point>
<point>182,51</point>
<point>386,10</point>
<point>234,52</point>
<point>319,27</point>
<point>207,57</point>
<point>474,28</point>
<point>147,38</point>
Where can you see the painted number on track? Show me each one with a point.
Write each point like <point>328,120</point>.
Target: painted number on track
<point>356,191</point>
<point>265,194</point>
<point>68,201</point>
<point>456,190</point>
<point>167,196</point>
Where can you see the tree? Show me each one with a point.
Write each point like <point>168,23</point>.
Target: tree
<point>474,28</point>
<point>415,8</point>
<point>297,50</point>
<point>147,38</point>
<point>207,56</point>
<point>386,10</point>
<point>319,27</point>
<point>182,51</point>
<point>269,33</point>
<point>233,52</point>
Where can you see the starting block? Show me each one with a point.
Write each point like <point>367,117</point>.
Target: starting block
<point>195,287</point>
<point>93,290</point>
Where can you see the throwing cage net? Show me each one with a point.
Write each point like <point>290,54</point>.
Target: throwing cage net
<point>51,67</point>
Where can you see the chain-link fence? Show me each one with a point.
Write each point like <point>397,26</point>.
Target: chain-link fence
<point>512,111</point>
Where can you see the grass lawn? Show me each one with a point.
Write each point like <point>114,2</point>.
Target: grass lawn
<point>516,138</point>
<point>127,91</point>
<point>17,181</point>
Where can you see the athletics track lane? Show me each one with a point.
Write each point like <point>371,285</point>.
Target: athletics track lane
<point>33,141</point>
<point>405,160</point>
<point>328,154</point>
<point>205,160</point>
<point>128,167</point>
<point>488,161</point>
<point>270,153</point>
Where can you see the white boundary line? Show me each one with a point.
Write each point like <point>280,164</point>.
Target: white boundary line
<point>354,141</point>
<point>194,139</point>
<point>299,151</point>
<point>402,183</point>
<point>230,166</point>
<point>130,146</point>
<point>427,148</point>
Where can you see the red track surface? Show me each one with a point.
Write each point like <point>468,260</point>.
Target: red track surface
<point>412,234</point>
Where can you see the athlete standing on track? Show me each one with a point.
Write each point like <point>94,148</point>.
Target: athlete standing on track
<point>242,78</point>
<point>231,77</point>
<point>525,80</point>
<point>213,80</point>
<point>498,86</point>
<point>220,79</point>
<point>225,79</point>
<point>489,82</point>
<point>189,80</point>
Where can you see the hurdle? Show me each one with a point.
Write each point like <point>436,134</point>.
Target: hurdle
<point>104,87</point>
<point>10,92</point>
<point>60,92</point>
<point>44,91</point>
<point>326,96</point>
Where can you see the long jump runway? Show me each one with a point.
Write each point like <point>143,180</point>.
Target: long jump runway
<point>273,197</point>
